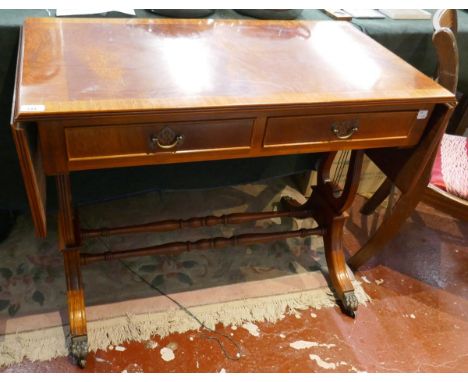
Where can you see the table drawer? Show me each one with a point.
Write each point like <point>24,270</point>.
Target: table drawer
<point>94,142</point>
<point>363,129</point>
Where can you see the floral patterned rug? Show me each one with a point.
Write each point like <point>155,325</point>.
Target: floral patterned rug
<point>32,282</point>
<point>31,270</point>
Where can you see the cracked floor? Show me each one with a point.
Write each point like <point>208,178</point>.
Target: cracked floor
<point>417,320</point>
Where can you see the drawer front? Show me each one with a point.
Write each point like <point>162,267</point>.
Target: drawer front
<point>95,142</point>
<point>353,130</point>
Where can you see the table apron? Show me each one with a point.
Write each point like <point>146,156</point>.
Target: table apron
<point>87,144</point>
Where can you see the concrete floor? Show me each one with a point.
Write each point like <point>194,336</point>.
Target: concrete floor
<point>417,321</point>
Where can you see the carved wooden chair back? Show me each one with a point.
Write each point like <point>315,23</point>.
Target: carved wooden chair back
<point>445,44</point>
<point>445,18</point>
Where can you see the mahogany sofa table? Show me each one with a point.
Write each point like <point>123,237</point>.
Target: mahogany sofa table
<point>104,93</point>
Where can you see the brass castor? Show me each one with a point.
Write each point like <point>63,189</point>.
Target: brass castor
<point>79,350</point>
<point>350,304</point>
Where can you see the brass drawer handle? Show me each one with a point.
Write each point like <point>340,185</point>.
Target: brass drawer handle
<point>166,139</point>
<point>345,129</point>
<point>178,139</point>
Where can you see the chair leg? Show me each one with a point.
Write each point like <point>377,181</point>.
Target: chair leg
<point>389,227</point>
<point>379,196</point>
<point>412,172</point>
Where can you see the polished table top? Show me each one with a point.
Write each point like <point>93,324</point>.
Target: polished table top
<point>89,66</point>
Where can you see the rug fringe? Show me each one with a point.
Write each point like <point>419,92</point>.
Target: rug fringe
<point>46,344</point>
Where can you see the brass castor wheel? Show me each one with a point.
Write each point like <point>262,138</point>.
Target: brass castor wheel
<point>350,304</point>
<point>79,350</point>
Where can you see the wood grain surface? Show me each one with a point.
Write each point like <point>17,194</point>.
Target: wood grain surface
<point>117,65</point>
